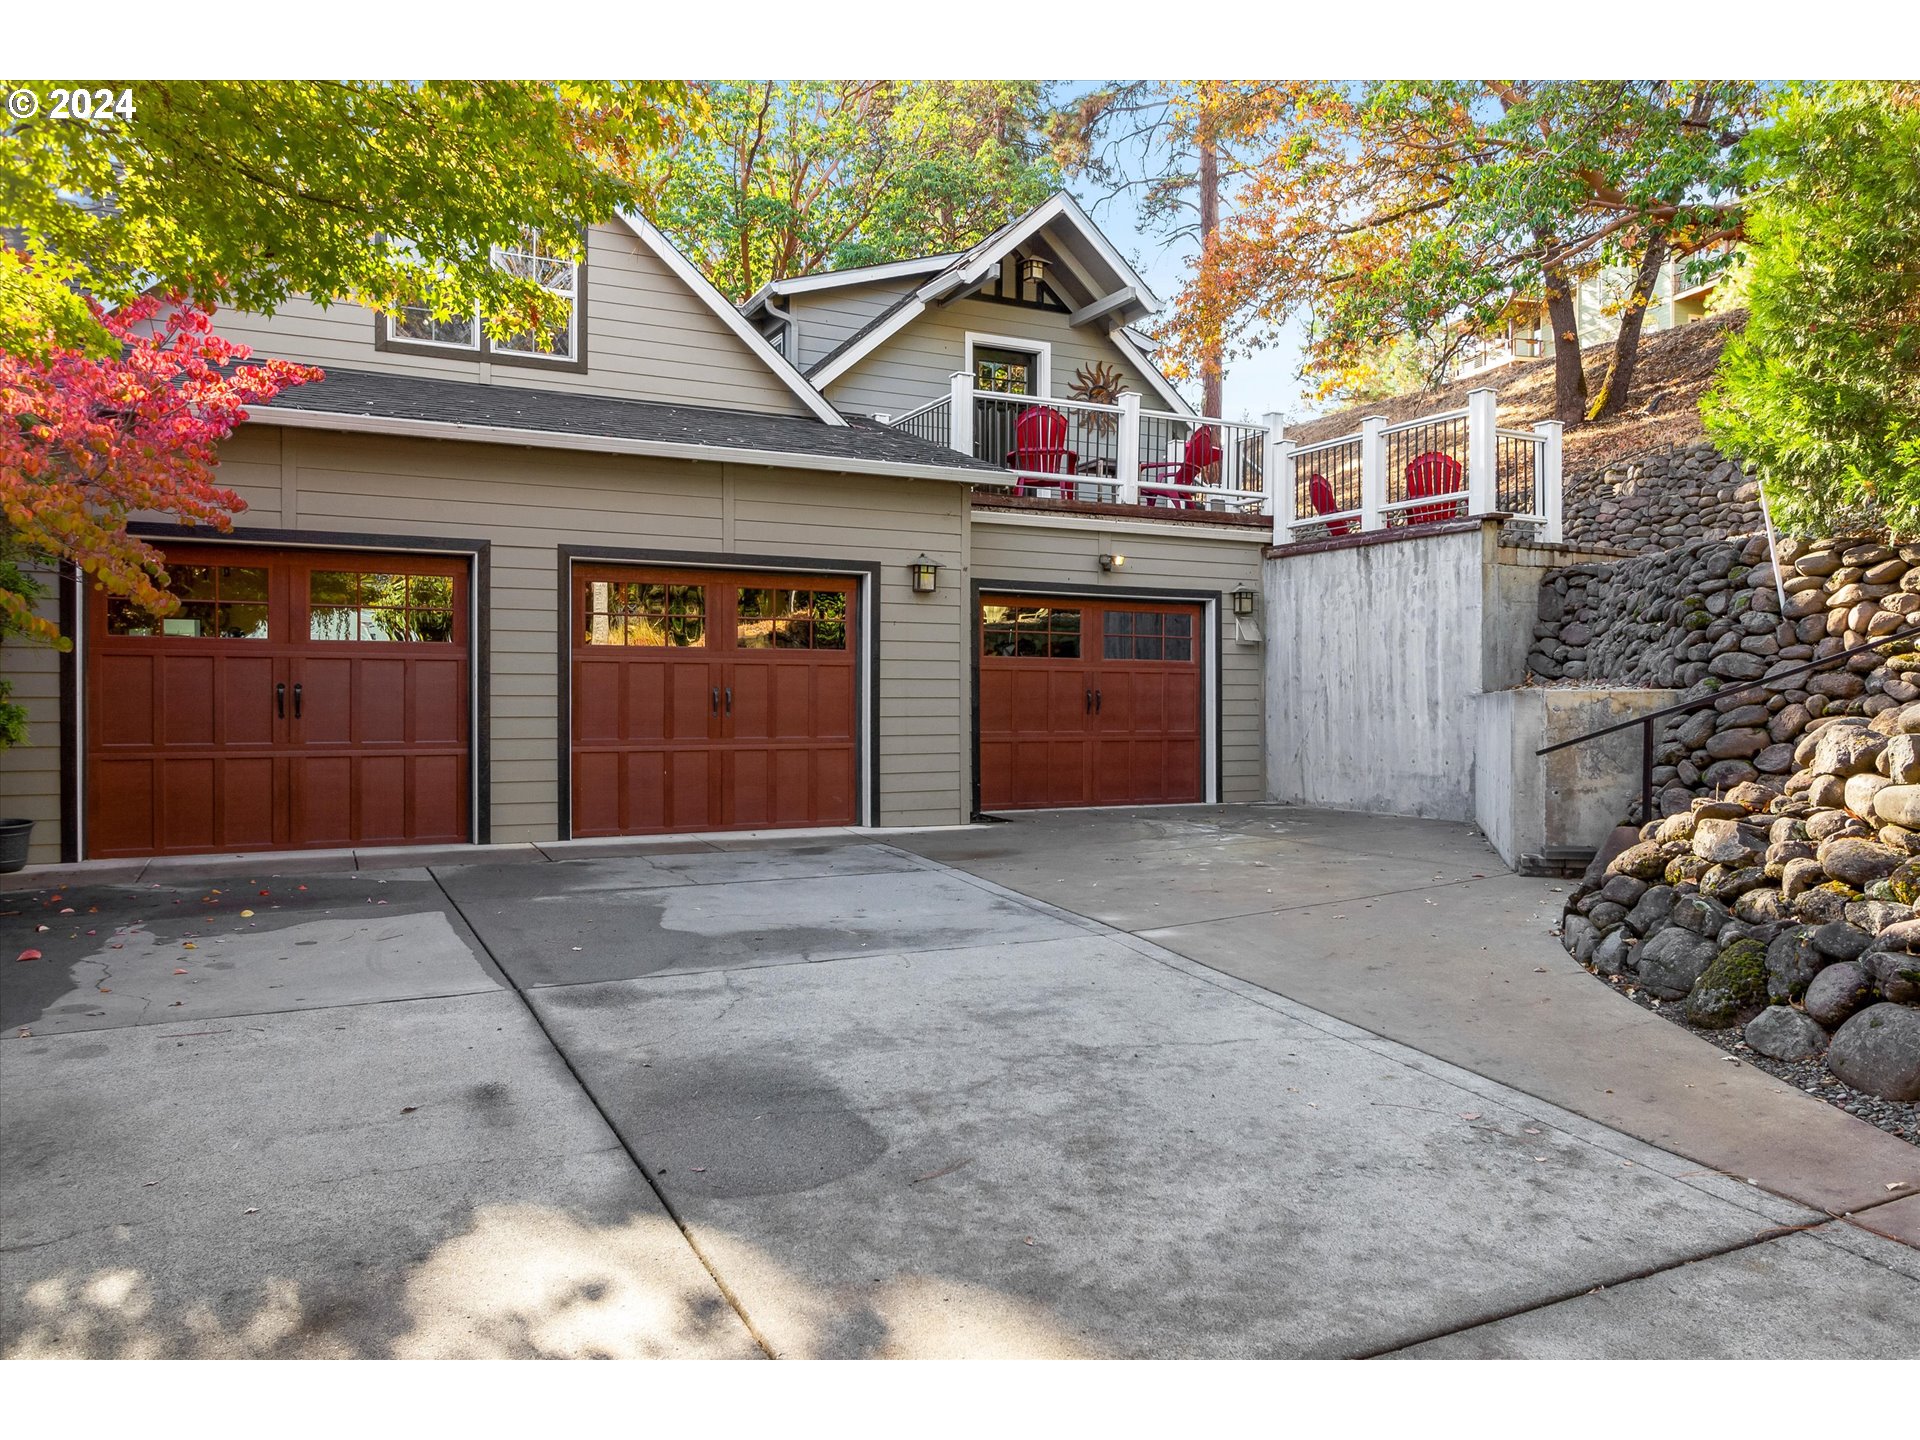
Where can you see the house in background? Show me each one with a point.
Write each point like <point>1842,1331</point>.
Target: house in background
<point>642,575</point>
<point>1680,297</point>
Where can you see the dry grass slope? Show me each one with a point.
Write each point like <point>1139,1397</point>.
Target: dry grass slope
<point>1662,407</point>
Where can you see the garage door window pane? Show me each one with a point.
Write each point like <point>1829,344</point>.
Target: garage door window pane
<point>380,606</point>
<point>1031,631</point>
<point>226,602</point>
<point>650,616</point>
<point>1147,635</point>
<point>779,619</point>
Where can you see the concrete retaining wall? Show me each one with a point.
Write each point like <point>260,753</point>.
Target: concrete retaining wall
<point>1379,648</point>
<point>1547,814</point>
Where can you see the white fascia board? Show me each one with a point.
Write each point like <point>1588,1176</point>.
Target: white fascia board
<point>782,369</point>
<point>1144,363</point>
<point>404,428</point>
<point>861,275</point>
<point>1083,222</point>
<point>1051,520</point>
<point>868,343</point>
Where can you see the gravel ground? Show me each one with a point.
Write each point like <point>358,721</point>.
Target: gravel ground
<point>1892,1116</point>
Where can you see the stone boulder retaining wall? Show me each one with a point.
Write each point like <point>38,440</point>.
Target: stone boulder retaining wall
<point>1787,905</point>
<point>1661,499</point>
<point>1707,619</point>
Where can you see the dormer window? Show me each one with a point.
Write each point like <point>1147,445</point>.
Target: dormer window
<point>415,330</point>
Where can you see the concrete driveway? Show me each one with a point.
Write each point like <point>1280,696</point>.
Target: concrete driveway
<point>1223,1082</point>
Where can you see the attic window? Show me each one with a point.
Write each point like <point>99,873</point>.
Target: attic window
<point>533,259</point>
<point>416,329</point>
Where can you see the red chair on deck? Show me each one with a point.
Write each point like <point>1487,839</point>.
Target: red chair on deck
<point>1040,445</point>
<point>1433,473</point>
<point>1202,453</point>
<point>1320,495</point>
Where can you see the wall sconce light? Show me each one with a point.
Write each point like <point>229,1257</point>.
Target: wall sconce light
<point>1112,562</point>
<point>1033,270</point>
<point>926,574</point>
<point>1245,601</point>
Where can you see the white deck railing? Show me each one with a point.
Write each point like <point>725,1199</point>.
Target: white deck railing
<point>1453,465</point>
<point>1450,465</point>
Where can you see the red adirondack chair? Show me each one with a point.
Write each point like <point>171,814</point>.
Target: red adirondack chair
<point>1201,453</point>
<point>1040,444</point>
<point>1432,473</point>
<point>1320,494</point>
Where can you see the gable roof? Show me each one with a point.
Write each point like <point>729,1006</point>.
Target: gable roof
<point>703,289</point>
<point>853,275</point>
<point>1097,254</point>
<point>363,402</point>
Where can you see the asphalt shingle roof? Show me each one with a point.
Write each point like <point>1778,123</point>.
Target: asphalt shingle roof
<point>408,397</point>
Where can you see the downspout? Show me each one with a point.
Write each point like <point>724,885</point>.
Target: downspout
<point>786,318</point>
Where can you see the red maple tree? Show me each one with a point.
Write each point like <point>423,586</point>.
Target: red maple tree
<point>88,440</point>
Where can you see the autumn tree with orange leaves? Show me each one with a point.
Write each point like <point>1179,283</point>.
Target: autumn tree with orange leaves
<point>1392,210</point>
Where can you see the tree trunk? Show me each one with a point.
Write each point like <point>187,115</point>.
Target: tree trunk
<point>1212,373</point>
<point>1626,345</point>
<point>1569,380</point>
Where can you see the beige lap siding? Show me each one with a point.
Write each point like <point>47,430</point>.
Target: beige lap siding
<point>1030,554</point>
<point>529,502</point>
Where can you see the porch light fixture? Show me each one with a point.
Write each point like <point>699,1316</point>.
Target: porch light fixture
<point>926,574</point>
<point>1245,601</point>
<point>1033,270</point>
<point>1112,562</point>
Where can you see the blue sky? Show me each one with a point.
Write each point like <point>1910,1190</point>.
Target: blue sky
<point>1254,384</point>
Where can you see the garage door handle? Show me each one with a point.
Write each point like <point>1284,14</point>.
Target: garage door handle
<point>729,699</point>
<point>1089,700</point>
<point>296,702</point>
<point>280,699</point>
<point>716,699</point>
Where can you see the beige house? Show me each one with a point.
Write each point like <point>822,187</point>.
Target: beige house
<point>884,548</point>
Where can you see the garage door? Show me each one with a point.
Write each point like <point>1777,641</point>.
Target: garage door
<point>706,700</point>
<point>1086,702</point>
<point>296,700</point>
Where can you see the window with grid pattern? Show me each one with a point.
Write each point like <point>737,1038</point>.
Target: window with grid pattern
<point>638,613</point>
<point>1147,635</point>
<point>1029,631</point>
<point>768,619</point>
<point>372,605</point>
<point>217,602</point>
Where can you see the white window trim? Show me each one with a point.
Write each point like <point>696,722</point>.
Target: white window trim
<point>1041,350</point>
<point>484,345</point>
<point>573,318</point>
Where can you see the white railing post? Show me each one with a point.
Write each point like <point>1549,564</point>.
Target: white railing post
<point>1127,460</point>
<point>960,418</point>
<point>1276,471</point>
<point>1483,452</point>
<point>1549,470</point>
<point>1373,472</point>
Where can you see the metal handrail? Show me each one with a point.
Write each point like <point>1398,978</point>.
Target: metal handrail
<point>1700,702</point>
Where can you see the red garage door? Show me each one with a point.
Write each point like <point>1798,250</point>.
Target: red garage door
<point>1086,702</point>
<point>296,700</point>
<point>707,700</point>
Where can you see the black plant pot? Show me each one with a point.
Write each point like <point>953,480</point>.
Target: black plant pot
<point>15,837</point>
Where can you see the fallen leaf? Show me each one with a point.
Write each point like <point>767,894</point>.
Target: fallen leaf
<point>67,910</point>
<point>1471,1115</point>
<point>25,1033</point>
<point>28,955</point>
<point>1029,1239</point>
<point>408,1109</point>
<point>251,1210</point>
<point>189,945</point>
<point>699,1169</point>
<point>1897,1185</point>
<point>179,972</point>
<point>244,914</point>
<point>1541,970</point>
<point>174,1003</point>
<point>39,929</point>
<point>1531,1131</point>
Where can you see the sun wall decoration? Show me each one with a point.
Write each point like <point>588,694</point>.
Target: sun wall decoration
<point>1098,384</point>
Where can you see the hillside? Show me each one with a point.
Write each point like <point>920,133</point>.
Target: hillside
<point>1662,407</point>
